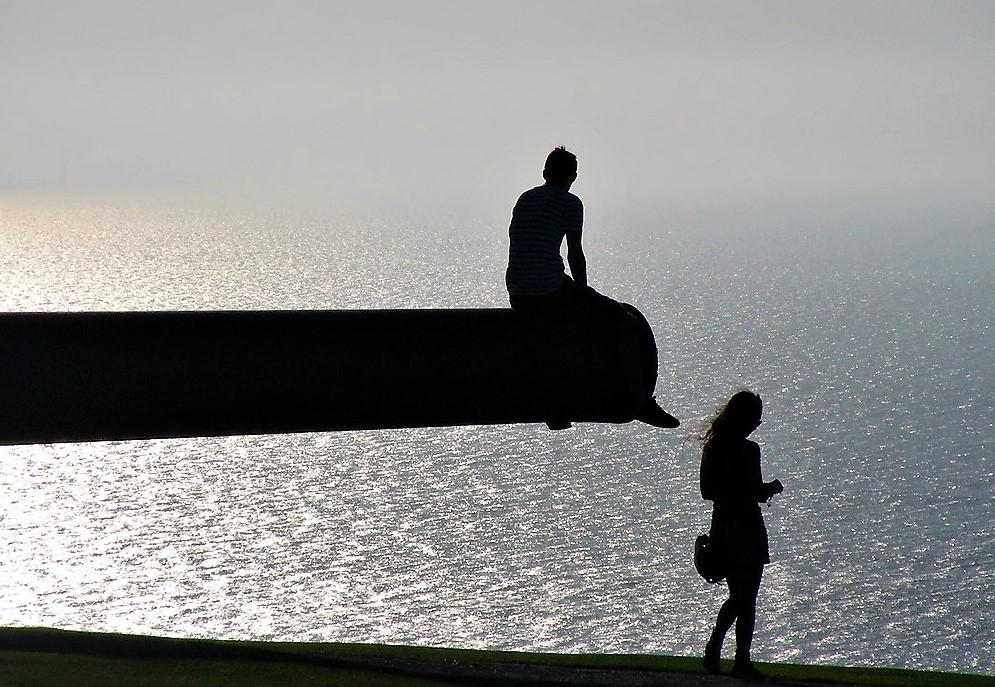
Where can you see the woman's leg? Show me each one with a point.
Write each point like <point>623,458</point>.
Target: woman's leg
<point>744,586</point>
<point>726,617</point>
<point>727,614</point>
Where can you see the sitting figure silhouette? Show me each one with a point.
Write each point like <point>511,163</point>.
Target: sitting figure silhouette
<point>542,218</point>
<point>731,478</point>
<point>537,282</point>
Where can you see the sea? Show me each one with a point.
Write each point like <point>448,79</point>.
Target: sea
<point>867,330</point>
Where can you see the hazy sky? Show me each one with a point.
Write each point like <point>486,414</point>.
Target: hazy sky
<point>456,102</point>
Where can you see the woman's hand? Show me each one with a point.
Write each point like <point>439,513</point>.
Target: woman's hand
<point>771,488</point>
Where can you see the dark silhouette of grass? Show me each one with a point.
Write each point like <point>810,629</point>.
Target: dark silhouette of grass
<point>36,657</point>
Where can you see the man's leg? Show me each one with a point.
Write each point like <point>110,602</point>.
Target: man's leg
<point>614,314</point>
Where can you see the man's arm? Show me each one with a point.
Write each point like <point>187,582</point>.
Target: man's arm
<point>576,259</point>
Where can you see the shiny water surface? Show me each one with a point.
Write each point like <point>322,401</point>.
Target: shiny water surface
<point>870,343</point>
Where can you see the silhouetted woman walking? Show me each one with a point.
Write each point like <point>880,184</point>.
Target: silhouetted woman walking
<point>731,479</point>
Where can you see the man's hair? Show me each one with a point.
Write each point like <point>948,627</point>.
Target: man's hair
<point>561,166</point>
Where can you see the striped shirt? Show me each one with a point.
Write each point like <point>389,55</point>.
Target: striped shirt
<point>541,218</point>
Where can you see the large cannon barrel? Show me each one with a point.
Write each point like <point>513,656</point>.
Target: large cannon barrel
<point>68,377</point>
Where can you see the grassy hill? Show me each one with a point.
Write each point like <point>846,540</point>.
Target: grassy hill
<point>40,657</point>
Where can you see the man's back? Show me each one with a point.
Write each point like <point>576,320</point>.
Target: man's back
<point>539,222</point>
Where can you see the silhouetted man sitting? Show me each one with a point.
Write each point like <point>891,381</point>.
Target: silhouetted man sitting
<point>536,280</point>
<point>542,218</point>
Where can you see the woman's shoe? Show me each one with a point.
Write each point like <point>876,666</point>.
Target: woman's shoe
<point>745,671</point>
<point>713,652</point>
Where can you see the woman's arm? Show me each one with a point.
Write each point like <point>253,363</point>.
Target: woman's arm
<point>761,490</point>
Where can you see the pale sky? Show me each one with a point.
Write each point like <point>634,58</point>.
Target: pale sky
<point>457,102</point>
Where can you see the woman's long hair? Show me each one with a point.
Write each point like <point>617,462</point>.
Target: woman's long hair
<point>744,407</point>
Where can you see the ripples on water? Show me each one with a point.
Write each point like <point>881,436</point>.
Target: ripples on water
<point>873,351</point>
